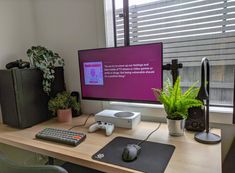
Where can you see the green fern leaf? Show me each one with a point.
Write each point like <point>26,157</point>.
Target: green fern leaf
<point>192,92</point>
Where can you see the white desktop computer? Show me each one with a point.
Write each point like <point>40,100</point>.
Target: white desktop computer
<point>119,118</point>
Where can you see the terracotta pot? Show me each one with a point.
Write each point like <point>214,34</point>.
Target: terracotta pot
<point>64,115</point>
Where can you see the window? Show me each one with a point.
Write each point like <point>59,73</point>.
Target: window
<point>189,30</point>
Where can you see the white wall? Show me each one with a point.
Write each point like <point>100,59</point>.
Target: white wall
<point>66,26</point>
<point>17,34</point>
<point>17,31</point>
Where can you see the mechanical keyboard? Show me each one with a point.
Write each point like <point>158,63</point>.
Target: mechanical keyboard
<point>61,136</point>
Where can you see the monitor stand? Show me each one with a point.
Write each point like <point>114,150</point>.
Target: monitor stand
<point>174,68</point>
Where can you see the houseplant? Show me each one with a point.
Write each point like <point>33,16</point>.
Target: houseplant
<point>45,60</point>
<point>62,105</point>
<point>176,105</point>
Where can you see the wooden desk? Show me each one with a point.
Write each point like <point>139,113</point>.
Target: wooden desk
<point>189,156</point>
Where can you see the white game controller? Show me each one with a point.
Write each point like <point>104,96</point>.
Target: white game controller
<point>108,127</point>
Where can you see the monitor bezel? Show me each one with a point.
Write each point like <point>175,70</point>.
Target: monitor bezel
<point>114,99</point>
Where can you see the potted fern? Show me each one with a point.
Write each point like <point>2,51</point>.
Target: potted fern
<point>176,105</point>
<point>62,105</point>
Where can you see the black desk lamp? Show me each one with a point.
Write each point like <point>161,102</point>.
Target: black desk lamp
<point>206,137</point>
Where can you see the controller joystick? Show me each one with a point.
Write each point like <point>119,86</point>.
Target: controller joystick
<point>18,63</point>
<point>108,127</point>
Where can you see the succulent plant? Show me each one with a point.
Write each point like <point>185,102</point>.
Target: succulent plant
<point>63,100</point>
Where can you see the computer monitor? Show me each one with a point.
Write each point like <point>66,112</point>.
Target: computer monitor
<point>122,73</point>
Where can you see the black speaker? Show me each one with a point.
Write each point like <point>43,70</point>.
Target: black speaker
<point>58,84</point>
<point>196,119</point>
<point>22,99</point>
<point>74,112</point>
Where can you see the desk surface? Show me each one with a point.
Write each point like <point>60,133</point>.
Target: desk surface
<point>189,156</point>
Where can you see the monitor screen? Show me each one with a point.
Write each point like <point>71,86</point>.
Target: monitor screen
<point>122,73</point>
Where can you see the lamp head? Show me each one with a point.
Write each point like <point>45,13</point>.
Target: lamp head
<point>203,93</point>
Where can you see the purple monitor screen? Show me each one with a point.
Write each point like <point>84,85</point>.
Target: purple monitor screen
<point>123,73</point>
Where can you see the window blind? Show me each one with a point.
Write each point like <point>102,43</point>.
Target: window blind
<point>189,29</point>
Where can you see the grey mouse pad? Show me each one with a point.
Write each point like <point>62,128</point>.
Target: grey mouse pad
<point>153,157</point>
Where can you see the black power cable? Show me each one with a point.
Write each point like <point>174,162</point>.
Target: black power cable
<point>141,142</point>
<point>81,125</point>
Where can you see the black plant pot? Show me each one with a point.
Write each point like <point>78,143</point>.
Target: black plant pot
<point>58,84</point>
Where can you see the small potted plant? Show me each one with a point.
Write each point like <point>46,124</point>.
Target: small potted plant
<point>176,105</point>
<point>62,105</point>
<point>45,60</point>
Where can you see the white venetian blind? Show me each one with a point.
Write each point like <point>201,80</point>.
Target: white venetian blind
<point>189,29</point>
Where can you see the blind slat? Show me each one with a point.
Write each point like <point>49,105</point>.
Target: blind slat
<point>210,47</point>
<point>197,61</point>
<point>205,39</point>
<point>186,6</point>
<point>154,19</point>
<point>218,24</point>
<point>179,34</point>
<point>201,42</point>
<point>199,58</point>
<point>167,5</point>
<point>183,12</point>
<point>200,53</point>
<point>143,26</point>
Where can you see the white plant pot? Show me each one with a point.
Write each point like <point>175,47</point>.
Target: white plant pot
<point>176,127</point>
